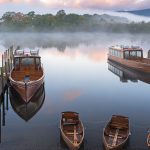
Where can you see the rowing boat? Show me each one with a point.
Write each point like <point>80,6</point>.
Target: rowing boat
<point>116,132</point>
<point>72,130</point>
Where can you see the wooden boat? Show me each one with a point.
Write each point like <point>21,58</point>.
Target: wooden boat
<point>129,56</point>
<point>126,73</point>
<point>27,110</point>
<point>72,130</point>
<point>116,133</point>
<point>148,140</point>
<point>27,74</point>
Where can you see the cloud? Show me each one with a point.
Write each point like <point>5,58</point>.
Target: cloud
<point>94,4</point>
<point>72,95</point>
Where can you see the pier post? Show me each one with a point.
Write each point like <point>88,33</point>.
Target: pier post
<point>3,109</point>
<point>8,65</point>
<point>11,57</point>
<point>2,73</point>
<point>7,98</point>
<point>6,70</point>
<point>0,123</point>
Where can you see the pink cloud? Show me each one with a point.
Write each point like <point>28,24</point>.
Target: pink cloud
<point>95,4</point>
<point>72,95</point>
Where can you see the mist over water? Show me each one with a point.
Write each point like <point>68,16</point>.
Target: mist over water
<point>63,40</point>
<point>77,78</point>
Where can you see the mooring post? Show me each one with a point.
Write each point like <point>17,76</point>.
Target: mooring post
<point>2,73</point>
<point>3,109</point>
<point>2,78</point>
<point>8,65</point>
<point>0,122</point>
<point>8,54</point>
<point>7,98</point>
<point>5,70</point>
<point>11,57</point>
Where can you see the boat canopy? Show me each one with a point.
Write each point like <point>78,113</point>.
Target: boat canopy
<point>126,48</point>
<point>26,52</point>
<point>126,52</point>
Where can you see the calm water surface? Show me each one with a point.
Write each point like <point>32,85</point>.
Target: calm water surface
<point>78,78</point>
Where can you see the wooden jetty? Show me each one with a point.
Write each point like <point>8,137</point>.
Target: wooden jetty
<point>5,68</point>
<point>7,61</point>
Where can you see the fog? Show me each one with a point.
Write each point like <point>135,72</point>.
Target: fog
<point>131,17</point>
<point>61,41</point>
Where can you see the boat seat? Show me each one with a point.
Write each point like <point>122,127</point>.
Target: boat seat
<point>119,137</point>
<point>119,125</point>
<point>70,121</point>
<point>72,133</point>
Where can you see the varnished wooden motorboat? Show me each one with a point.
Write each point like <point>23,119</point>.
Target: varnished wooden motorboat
<point>27,74</point>
<point>72,130</point>
<point>27,110</point>
<point>116,133</point>
<point>126,73</point>
<point>148,140</point>
<point>129,56</point>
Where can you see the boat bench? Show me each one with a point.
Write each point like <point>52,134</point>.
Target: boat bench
<point>70,121</point>
<point>119,125</point>
<point>112,134</point>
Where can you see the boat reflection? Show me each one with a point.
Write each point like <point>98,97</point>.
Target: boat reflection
<point>27,110</point>
<point>126,74</point>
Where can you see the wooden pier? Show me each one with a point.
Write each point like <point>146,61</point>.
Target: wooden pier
<point>7,64</point>
<point>7,61</point>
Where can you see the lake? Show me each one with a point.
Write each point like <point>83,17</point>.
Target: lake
<point>78,78</point>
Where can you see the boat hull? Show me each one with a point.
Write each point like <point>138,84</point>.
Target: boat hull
<point>148,140</point>
<point>27,90</point>
<point>68,140</point>
<point>127,73</point>
<point>27,110</point>
<point>120,147</point>
<point>109,139</point>
<point>143,65</point>
<point>69,144</point>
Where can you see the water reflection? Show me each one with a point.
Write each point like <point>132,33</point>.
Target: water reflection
<point>27,110</point>
<point>78,79</point>
<point>125,74</point>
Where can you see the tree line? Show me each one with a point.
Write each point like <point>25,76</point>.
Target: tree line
<point>62,22</point>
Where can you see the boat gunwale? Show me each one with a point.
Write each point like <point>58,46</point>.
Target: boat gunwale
<point>148,137</point>
<point>123,142</point>
<point>130,60</point>
<point>63,134</point>
<point>27,83</point>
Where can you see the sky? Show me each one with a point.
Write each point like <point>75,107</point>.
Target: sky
<point>52,6</point>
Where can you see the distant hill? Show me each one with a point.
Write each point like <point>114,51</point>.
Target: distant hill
<point>105,18</point>
<point>143,12</point>
<point>109,19</point>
